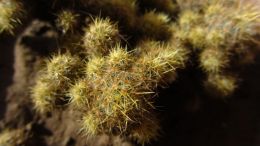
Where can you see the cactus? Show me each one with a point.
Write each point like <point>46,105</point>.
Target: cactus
<point>214,29</point>
<point>15,137</point>
<point>66,21</point>
<point>155,25</point>
<point>118,86</point>
<point>213,60</point>
<point>117,93</point>
<point>119,53</point>
<point>54,80</point>
<point>221,85</point>
<point>100,36</point>
<point>122,92</point>
<point>10,13</point>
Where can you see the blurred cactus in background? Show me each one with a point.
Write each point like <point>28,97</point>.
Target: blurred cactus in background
<point>15,137</point>
<point>218,31</point>
<point>116,55</point>
<point>10,13</point>
<point>66,21</point>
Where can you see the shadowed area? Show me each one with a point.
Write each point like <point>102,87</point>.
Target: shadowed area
<point>6,68</point>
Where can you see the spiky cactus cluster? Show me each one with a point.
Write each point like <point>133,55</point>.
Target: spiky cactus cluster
<point>60,72</point>
<point>114,88</point>
<point>113,82</point>
<point>123,85</point>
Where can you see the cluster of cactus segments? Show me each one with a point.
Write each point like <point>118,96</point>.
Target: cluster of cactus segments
<point>118,53</point>
<point>113,87</point>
